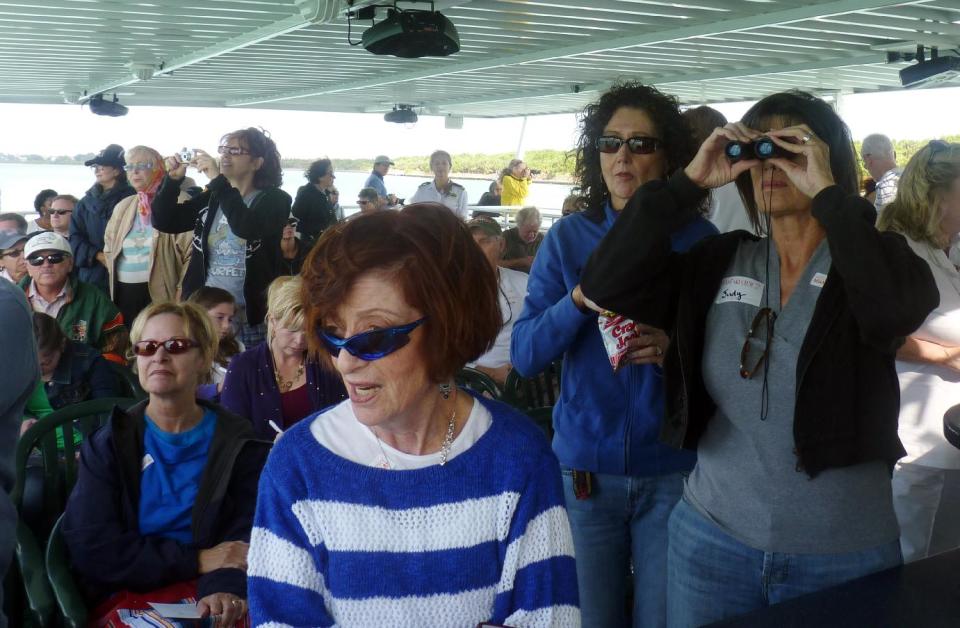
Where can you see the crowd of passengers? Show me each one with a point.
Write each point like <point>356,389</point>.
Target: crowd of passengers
<point>304,457</point>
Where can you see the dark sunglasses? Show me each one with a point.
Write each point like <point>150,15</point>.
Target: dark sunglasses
<point>53,258</point>
<point>174,346</point>
<point>766,318</point>
<point>373,344</point>
<point>232,150</point>
<point>60,212</point>
<point>640,145</point>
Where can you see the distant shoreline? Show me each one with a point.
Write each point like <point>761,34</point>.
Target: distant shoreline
<point>299,166</point>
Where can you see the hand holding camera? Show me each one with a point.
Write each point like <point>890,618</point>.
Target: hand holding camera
<point>206,163</point>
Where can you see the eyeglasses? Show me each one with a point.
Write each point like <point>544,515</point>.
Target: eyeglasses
<point>765,318</point>
<point>61,212</point>
<point>639,145</point>
<point>371,345</point>
<point>233,151</point>
<point>53,258</point>
<point>173,346</point>
<point>13,253</point>
<point>139,166</point>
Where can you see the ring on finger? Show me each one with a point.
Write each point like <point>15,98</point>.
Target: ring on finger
<point>806,138</point>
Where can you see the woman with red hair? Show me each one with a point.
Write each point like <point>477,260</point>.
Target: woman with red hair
<point>144,264</point>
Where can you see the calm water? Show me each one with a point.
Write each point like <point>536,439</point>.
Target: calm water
<point>20,183</point>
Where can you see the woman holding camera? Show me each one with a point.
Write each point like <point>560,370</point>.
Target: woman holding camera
<point>237,222</point>
<point>143,264</point>
<point>516,183</point>
<point>780,370</point>
<point>313,208</point>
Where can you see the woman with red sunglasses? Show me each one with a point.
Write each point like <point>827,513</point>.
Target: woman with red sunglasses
<point>620,484</point>
<point>780,370</point>
<point>165,492</point>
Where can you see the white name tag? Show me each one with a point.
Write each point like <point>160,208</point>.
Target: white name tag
<point>740,290</point>
<point>818,280</point>
<point>146,462</point>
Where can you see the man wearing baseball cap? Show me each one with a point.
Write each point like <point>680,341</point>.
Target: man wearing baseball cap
<point>381,166</point>
<point>12,266</point>
<point>488,235</point>
<point>84,312</point>
<point>89,219</point>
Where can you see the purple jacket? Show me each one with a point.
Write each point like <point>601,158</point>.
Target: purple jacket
<point>250,389</point>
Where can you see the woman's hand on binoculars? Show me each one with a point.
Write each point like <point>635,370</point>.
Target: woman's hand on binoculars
<point>710,167</point>
<point>809,168</point>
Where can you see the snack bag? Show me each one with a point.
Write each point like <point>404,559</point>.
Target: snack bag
<point>616,330</point>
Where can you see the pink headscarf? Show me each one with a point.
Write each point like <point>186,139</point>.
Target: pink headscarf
<point>145,196</point>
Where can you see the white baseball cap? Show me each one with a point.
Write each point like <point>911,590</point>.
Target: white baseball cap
<point>46,241</point>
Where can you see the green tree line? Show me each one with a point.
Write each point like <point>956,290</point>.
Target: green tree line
<point>552,164</point>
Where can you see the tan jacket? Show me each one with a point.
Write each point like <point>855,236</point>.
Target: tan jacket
<point>169,253</point>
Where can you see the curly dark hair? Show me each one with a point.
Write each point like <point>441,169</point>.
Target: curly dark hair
<point>270,174</point>
<point>798,107</point>
<point>42,198</point>
<point>318,170</point>
<point>664,112</point>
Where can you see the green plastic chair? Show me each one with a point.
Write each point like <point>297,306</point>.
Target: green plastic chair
<point>129,381</point>
<point>479,382</point>
<point>70,602</point>
<point>543,417</point>
<point>59,468</point>
<point>528,393</point>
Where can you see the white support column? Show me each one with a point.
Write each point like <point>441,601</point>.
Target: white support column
<point>523,132</point>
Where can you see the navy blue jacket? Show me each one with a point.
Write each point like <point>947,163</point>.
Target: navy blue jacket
<point>87,225</point>
<point>101,523</point>
<point>82,374</point>
<point>604,422</point>
<point>250,389</point>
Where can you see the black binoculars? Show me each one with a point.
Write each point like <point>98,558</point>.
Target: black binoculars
<point>763,148</point>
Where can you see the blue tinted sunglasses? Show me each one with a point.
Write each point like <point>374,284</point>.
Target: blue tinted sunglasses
<point>373,344</point>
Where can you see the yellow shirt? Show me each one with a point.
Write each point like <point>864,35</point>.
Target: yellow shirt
<point>514,190</point>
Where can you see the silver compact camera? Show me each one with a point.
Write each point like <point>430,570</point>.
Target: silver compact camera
<point>187,155</point>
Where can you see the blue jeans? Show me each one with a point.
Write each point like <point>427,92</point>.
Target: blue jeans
<point>624,518</point>
<point>712,576</point>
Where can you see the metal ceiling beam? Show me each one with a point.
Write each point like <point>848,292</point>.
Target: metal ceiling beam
<point>308,12</point>
<point>660,80</point>
<point>646,38</point>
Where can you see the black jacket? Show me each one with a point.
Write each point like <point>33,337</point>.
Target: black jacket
<point>101,523</point>
<point>316,214</point>
<point>87,225</point>
<point>261,225</point>
<point>877,292</point>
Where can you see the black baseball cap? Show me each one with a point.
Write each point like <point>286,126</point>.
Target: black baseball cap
<point>112,155</point>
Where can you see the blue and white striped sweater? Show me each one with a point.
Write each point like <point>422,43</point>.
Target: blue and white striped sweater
<point>483,538</point>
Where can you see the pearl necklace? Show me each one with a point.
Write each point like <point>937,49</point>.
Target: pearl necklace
<point>444,447</point>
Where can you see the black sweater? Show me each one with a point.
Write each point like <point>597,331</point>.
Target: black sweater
<point>313,209</point>
<point>261,225</point>
<point>877,292</point>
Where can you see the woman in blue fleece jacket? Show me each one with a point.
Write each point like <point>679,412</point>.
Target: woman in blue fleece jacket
<point>607,422</point>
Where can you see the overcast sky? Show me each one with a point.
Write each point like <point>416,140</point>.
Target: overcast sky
<point>68,129</point>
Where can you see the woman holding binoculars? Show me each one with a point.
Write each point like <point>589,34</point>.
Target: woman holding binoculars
<point>780,370</point>
<point>237,222</point>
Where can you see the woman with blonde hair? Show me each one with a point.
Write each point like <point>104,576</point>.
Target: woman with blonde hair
<point>143,264</point>
<point>926,483</point>
<point>278,381</point>
<point>130,536</point>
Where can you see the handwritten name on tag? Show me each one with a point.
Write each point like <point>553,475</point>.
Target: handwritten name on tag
<point>740,290</point>
<point>818,280</point>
